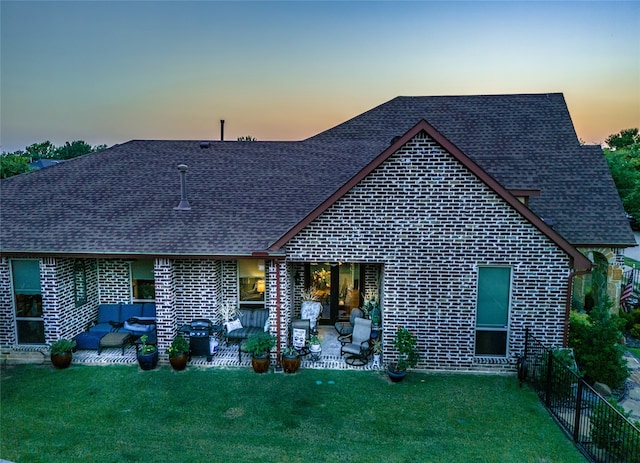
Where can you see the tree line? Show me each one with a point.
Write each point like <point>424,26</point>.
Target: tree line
<point>623,157</point>
<point>17,162</point>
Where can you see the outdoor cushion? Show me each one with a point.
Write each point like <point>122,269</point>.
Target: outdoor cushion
<point>233,325</point>
<point>128,311</point>
<point>87,340</point>
<point>149,310</point>
<point>108,313</point>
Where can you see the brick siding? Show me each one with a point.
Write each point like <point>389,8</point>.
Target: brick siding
<point>431,223</point>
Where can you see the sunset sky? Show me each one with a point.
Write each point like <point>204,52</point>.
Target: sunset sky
<point>109,72</point>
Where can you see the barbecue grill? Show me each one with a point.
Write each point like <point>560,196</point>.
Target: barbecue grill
<point>201,340</point>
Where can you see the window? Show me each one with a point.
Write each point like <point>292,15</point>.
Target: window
<point>251,281</point>
<point>80,282</point>
<point>143,280</point>
<point>492,316</point>
<point>28,301</point>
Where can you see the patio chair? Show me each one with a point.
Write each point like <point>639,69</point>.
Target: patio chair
<point>359,348</point>
<point>345,329</point>
<point>300,332</point>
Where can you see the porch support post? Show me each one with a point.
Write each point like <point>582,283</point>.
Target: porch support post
<point>278,361</point>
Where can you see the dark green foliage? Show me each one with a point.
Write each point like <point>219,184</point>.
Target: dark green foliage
<point>18,162</point>
<point>623,138</point>
<point>631,318</point>
<point>259,343</point>
<point>609,431</point>
<point>13,164</point>
<point>62,346</point>
<point>595,342</point>
<point>624,164</point>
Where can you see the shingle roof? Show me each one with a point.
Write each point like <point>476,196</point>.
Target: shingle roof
<point>121,200</point>
<point>526,142</point>
<point>244,196</point>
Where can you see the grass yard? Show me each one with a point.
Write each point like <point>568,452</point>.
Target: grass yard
<point>123,414</point>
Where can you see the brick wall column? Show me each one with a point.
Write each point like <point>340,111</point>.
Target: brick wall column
<point>165,283</point>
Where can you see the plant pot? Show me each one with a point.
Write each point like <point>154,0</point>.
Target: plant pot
<point>395,376</point>
<point>260,363</point>
<point>148,361</point>
<point>290,363</point>
<point>315,348</point>
<point>61,361</point>
<point>179,362</point>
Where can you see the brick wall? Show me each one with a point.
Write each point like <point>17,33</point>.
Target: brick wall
<point>431,223</point>
<point>7,326</point>
<point>114,278</point>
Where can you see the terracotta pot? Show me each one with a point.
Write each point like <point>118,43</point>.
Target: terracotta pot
<point>179,362</point>
<point>290,363</point>
<point>61,361</point>
<point>260,363</point>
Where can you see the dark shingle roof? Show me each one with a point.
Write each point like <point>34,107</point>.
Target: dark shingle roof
<point>121,200</point>
<point>244,196</point>
<point>526,142</point>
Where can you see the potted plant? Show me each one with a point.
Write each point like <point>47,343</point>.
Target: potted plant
<point>62,353</point>
<point>259,345</point>
<point>405,343</point>
<point>178,353</point>
<point>290,360</point>
<point>147,355</point>
<point>376,347</point>
<point>315,344</point>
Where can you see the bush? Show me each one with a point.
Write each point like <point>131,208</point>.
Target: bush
<point>635,331</point>
<point>631,319</point>
<point>610,432</point>
<point>594,339</point>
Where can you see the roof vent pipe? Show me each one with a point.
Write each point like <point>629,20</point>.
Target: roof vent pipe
<point>221,129</point>
<point>184,203</point>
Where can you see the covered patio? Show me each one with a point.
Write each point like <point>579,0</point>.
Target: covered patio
<point>227,356</point>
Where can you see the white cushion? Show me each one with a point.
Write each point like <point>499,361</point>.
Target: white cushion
<point>233,325</point>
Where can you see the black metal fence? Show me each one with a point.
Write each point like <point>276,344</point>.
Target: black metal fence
<point>598,430</point>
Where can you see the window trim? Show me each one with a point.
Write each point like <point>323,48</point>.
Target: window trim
<point>505,328</point>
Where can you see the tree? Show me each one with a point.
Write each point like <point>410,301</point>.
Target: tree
<point>624,164</point>
<point>18,162</point>
<point>622,139</point>
<point>13,164</point>
<point>73,150</point>
<point>44,150</point>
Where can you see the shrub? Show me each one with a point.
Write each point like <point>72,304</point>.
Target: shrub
<point>610,431</point>
<point>635,331</point>
<point>594,340</point>
<point>631,319</point>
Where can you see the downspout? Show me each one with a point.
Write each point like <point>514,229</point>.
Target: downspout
<point>567,310</point>
<point>278,335</point>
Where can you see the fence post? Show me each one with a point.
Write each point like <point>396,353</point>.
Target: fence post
<point>547,399</point>
<point>576,422</point>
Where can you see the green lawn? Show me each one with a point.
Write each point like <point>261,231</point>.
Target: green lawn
<point>123,414</point>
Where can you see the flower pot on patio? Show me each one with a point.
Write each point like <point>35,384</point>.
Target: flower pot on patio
<point>62,353</point>
<point>147,355</point>
<point>290,360</point>
<point>259,345</point>
<point>261,362</point>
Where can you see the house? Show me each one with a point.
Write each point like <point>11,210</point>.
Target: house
<point>468,218</point>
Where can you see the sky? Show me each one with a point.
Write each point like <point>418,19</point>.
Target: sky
<point>110,71</point>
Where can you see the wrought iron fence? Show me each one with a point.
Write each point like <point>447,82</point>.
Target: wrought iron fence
<point>598,430</point>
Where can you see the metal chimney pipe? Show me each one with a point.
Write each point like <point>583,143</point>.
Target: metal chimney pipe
<point>184,203</point>
<point>221,129</point>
